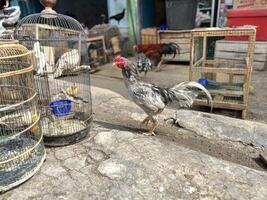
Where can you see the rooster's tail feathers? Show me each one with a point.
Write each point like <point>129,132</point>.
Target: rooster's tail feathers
<point>171,49</point>
<point>185,93</point>
<point>176,47</point>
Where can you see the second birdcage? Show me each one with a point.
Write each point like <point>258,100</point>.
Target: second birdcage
<point>62,74</point>
<point>21,145</point>
<point>225,70</point>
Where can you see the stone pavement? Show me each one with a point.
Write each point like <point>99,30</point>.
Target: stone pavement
<point>120,163</point>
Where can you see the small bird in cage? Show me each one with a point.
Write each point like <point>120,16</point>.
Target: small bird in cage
<point>72,91</point>
<point>71,94</point>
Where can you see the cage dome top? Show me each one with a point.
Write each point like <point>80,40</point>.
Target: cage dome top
<point>51,18</point>
<point>12,51</point>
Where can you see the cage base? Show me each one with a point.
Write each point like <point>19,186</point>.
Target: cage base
<point>69,138</point>
<point>24,171</point>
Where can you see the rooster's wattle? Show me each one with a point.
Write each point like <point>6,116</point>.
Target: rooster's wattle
<point>153,99</point>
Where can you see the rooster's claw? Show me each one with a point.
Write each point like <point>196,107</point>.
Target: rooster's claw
<point>174,122</point>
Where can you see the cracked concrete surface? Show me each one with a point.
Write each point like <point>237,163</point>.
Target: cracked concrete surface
<point>206,125</point>
<point>229,129</point>
<point>118,164</point>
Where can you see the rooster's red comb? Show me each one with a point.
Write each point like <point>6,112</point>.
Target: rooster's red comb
<point>120,61</point>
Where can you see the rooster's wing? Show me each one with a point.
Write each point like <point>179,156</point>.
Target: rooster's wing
<point>147,98</point>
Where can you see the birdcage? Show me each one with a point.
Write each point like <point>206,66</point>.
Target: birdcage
<point>224,71</point>
<point>62,73</point>
<point>21,145</point>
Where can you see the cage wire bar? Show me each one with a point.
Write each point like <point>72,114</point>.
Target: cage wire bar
<point>21,140</point>
<point>61,72</point>
<point>226,74</point>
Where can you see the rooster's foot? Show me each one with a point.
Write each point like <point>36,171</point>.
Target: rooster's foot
<point>150,133</point>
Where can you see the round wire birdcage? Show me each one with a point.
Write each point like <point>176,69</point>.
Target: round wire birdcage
<point>21,145</point>
<point>62,74</point>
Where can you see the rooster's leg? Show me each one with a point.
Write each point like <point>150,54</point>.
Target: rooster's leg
<point>153,127</point>
<point>158,68</point>
<point>145,121</point>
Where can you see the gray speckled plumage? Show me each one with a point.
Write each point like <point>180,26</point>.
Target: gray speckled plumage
<point>153,99</point>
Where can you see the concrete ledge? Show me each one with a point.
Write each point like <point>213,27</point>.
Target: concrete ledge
<point>118,163</point>
<point>112,107</point>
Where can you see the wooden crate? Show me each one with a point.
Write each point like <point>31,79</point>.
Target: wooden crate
<point>149,36</point>
<point>229,79</point>
<point>182,38</point>
<point>236,50</point>
<point>98,56</point>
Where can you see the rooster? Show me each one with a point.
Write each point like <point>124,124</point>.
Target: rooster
<point>153,99</point>
<point>154,52</point>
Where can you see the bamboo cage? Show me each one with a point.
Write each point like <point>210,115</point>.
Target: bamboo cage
<point>21,140</point>
<point>227,80</point>
<point>61,72</point>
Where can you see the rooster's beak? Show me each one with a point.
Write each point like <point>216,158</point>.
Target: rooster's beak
<point>113,64</point>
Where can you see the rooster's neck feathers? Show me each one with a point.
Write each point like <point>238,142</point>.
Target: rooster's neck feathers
<point>130,72</point>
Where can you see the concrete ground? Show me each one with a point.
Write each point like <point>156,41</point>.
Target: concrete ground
<point>210,157</point>
<point>109,77</point>
<point>116,162</point>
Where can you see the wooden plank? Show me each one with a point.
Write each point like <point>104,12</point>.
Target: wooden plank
<point>218,104</point>
<point>225,48</point>
<point>225,78</point>
<point>175,40</point>
<point>230,93</point>
<point>178,41</point>
<point>240,46</point>
<point>238,56</point>
<point>216,32</point>
<point>259,66</point>
<point>174,34</point>
<point>181,45</point>
<point>220,70</point>
<point>181,57</point>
